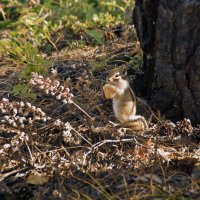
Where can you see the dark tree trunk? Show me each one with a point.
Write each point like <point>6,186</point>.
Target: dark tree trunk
<point>169,33</point>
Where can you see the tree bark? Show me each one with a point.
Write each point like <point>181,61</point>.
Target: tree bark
<point>169,33</point>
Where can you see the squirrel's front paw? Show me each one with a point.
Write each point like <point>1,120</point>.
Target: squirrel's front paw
<point>109,91</point>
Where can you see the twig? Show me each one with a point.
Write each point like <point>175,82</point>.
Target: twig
<point>29,150</point>
<point>81,109</point>
<point>3,176</point>
<point>82,137</point>
<point>52,43</point>
<point>98,144</point>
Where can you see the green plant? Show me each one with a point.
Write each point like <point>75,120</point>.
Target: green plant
<point>136,61</point>
<point>26,29</point>
<point>26,56</point>
<point>97,35</point>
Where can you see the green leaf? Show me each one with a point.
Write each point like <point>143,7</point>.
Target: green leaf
<point>5,24</point>
<point>20,89</point>
<point>23,90</point>
<point>31,95</point>
<point>27,71</point>
<point>30,52</point>
<point>97,35</point>
<point>5,44</point>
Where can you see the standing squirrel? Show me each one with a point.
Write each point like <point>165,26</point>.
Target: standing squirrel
<point>124,101</point>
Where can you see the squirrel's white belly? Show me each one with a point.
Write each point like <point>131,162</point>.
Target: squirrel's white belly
<point>115,107</point>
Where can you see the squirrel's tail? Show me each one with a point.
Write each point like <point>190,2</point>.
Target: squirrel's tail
<point>137,123</point>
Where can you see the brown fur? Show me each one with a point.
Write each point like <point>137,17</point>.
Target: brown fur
<point>124,101</point>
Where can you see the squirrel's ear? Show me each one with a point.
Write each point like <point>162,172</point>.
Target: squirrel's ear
<point>124,73</point>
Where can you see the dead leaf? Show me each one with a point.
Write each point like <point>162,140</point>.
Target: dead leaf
<point>149,143</point>
<point>166,155</point>
<point>142,154</point>
<point>36,178</point>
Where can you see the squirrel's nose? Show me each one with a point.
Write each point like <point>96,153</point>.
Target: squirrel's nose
<point>109,80</point>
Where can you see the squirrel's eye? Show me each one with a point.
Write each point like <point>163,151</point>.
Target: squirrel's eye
<point>117,75</point>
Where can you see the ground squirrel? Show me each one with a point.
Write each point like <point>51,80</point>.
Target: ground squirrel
<point>124,101</point>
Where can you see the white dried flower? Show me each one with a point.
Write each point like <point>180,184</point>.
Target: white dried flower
<point>22,134</point>
<point>67,133</point>
<point>33,74</point>
<point>15,118</point>
<point>36,118</point>
<point>10,106</point>
<point>24,118</point>
<point>54,71</point>
<point>40,76</point>
<point>48,80</point>
<point>39,110</point>
<point>14,143</point>
<point>70,101</point>
<point>30,121</point>
<point>65,101</point>
<point>21,104</point>
<point>6,146</point>
<point>68,126</point>
<point>10,121</point>
<point>15,111</point>
<point>21,121</point>
<point>58,97</point>
<point>32,82</point>
<point>53,87</point>
<point>57,83</point>
<point>26,138</point>
<point>44,119</point>
<point>3,110</point>
<point>57,123</point>
<point>6,117</point>
<point>41,87</point>
<point>14,124</point>
<point>42,113</point>
<point>5,100</point>
<point>40,82</point>
<point>28,104</point>
<point>61,88</point>
<point>33,108</point>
